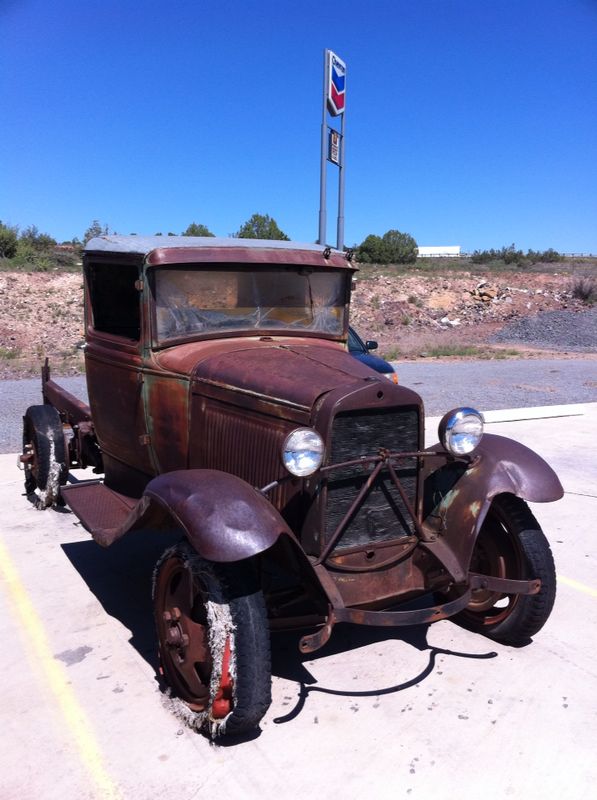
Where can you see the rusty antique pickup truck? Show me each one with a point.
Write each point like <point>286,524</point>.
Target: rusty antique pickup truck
<point>223,403</point>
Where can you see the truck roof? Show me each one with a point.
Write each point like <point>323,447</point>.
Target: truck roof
<point>187,249</point>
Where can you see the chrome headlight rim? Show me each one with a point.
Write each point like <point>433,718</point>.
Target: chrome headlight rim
<point>303,452</point>
<point>460,430</point>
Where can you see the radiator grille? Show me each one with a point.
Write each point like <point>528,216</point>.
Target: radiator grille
<point>235,441</point>
<point>383,515</point>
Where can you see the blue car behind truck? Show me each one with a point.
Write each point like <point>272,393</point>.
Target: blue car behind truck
<point>360,350</point>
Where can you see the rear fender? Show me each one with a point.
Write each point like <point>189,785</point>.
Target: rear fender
<point>223,517</point>
<point>458,496</point>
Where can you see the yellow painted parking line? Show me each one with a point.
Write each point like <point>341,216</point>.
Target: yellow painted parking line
<point>581,587</point>
<point>40,655</point>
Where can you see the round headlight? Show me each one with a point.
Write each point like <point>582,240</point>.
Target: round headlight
<point>460,430</point>
<point>303,452</point>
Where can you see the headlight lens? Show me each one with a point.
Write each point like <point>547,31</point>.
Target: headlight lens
<point>303,452</point>
<point>461,430</point>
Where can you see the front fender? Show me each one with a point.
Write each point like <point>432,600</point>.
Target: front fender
<point>224,518</point>
<point>457,496</point>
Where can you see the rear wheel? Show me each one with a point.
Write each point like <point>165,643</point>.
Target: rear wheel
<point>511,545</point>
<point>213,641</point>
<point>45,455</point>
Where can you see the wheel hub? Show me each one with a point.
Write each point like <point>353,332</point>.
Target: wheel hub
<point>176,639</point>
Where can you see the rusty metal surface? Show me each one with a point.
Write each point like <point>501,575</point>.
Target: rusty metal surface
<point>166,407</point>
<point>183,358</point>
<point>65,402</point>
<point>362,559</point>
<point>516,468</point>
<point>504,585</point>
<point>286,373</point>
<point>369,397</point>
<point>273,254</point>
<point>422,616</point>
<point>100,509</point>
<point>500,465</point>
<point>183,641</point>
<point>115,387</point>
<point>237,440</point>
<point>357,502</point>
<point>383,586</point>
<point>223,517</point>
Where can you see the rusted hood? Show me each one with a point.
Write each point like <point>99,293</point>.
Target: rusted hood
<point>293,373</point>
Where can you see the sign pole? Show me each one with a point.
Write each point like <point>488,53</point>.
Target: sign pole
<point>323,171</point>
<point>340,231</point>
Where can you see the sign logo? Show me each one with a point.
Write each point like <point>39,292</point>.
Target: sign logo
<point>336,85</point>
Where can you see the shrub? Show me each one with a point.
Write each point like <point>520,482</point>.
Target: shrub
<point>8,241</point>
<point>584,288</point>
<point>510,255</point>
<point>40,242</point>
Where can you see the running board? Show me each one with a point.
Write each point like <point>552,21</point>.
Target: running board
<point>99,508</point>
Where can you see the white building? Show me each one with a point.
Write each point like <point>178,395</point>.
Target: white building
<point>447,251</point>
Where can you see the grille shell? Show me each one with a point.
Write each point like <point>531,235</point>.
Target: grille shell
<point>382,516</point>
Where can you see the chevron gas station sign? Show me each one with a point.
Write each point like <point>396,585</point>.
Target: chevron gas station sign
<point>332,139</point>
<point>336,94</point>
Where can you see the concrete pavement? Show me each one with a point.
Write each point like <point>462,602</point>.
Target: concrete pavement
<point>429,712</point>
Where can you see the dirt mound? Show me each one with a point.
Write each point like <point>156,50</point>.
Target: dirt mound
<point>415,313</point>
<point>41,314</point>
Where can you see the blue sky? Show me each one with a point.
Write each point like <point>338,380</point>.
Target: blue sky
<point>470,123</point>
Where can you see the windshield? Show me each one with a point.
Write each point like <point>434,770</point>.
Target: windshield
<point>202,300</point>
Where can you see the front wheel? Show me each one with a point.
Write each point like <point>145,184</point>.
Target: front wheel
<point>213,640</point>
<point>511,545</point>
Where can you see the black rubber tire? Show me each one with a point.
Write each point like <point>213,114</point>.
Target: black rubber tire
<point>511,544</point>
<point>233,586</point>
<point>43,438</point>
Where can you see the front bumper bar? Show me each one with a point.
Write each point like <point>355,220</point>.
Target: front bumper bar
<point>421,616</point>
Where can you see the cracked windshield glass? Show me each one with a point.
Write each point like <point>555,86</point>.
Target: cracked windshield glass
<point>202,301</point>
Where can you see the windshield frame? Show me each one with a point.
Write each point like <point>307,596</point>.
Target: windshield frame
<point>160,343</point>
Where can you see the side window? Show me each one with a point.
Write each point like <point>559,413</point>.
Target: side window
<point>114,299</point>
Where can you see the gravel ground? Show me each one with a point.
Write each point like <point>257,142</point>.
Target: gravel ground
<point>554,330</point>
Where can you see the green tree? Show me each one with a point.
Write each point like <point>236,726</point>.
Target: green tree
<point>393,247</point>
<point>196,229</point>
<point>95,229</point>
<point>401,247</point>
<point>372,250</point>
<point>8,241</point>
<point>261,226</point>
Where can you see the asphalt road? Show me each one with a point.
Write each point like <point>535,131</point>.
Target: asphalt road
<point>484,385</point>
<point>489,385</point>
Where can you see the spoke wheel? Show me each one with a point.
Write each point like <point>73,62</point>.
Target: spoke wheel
<point>44,452</point>
<point>213,641</point>
<point>511,545</point>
